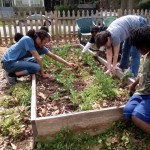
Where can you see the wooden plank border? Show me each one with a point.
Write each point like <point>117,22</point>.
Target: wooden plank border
<point>91,121</point>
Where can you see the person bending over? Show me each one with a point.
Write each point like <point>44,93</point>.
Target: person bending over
<point>117,32</point>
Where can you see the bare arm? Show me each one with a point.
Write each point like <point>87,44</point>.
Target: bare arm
<point>57,58</point>
<point>116,52</point>
<point>109,58</point>
<point>134,84</point>
<point>38,59</point>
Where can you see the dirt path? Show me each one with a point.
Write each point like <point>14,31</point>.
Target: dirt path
<point>3,85</point>
<point>5,143</point>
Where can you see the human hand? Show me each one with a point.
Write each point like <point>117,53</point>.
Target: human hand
<point>108,72</point>
<point>115,67</point>
<point>71,64</point>
<point>131,88</point>
<point>46,75</point>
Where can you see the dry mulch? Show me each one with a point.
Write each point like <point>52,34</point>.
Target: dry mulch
<point>5,142</point>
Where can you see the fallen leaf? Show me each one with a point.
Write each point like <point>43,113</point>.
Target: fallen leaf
<point>13,146</point>
<point>41,95</point>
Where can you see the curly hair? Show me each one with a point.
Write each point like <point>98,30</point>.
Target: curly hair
<point>42,34</point>
<point>101,38</point>
<point>140,38</point>
<point>44,28</point>
<point>18,36</point>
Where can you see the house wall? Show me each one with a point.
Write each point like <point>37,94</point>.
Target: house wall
<point>29,3</point>
<point>21,3</point>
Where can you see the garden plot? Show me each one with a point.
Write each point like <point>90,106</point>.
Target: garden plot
<point>82,98</point>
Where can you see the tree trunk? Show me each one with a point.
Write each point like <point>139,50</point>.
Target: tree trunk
<point>130,4</point>
<point>124,4</point>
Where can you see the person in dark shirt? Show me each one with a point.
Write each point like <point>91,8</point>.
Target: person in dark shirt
<point>94,31</point>
<point>137,108</point>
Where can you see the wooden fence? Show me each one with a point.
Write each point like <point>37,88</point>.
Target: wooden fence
<point>63,24</point>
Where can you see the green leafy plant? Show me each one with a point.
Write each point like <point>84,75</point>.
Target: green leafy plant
<point>121,135</point>
<point>11,122</point>
<point>22,92</point>
<point>65,78</point>
<point>105,84</point>
<point>45,61</point>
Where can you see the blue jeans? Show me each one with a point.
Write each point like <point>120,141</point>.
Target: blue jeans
<point>26,66</point>
<point>139,106</point>
<point>128,49</point>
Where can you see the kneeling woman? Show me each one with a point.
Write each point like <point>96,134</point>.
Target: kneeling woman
<point>14,60</point>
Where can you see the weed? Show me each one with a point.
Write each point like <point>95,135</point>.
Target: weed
<point>106,84</point>
<point>121,135</point>
<point>22,92</point>
<point>12,122</point>
<point>45,61</point>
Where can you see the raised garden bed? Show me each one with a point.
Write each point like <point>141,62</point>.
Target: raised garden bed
<point>81,99</point>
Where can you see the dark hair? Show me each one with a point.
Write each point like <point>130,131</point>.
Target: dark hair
<point>140,38</point>
<point>44,28</point>
<point>39,33</point>
<point>94,29</point>
<point>18,36</point>
<point>101,38</point>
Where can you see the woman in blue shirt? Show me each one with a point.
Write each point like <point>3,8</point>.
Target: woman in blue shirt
<point>14,60</point>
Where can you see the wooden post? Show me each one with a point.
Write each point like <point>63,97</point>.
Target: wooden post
<point>120,13</point>
<point>56,26</point>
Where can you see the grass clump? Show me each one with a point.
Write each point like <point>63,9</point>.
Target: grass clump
<point>121,135</point>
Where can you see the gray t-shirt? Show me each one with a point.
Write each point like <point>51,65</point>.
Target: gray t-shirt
<point>121,27</point>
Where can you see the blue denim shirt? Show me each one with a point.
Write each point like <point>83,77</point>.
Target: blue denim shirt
<point>22,49</point>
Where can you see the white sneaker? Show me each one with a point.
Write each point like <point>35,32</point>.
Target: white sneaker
<point>10,80</point>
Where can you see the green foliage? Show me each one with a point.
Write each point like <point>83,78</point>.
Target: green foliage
<point>45,61</point>
<point>88,97</point>
<point>121,135</point>
<point>22,92</point>
<point>56,96</point>
<point>11,122</point>
<point>144,4</point>
<point>106,85</point>
<point>87,59</point>
<point>101,86</point>
<point>65,78</point>
<point>62,51</point>
<point>65,140</point>
<point>66,8</point>
<point>74,96</point>
<point>126,75</point>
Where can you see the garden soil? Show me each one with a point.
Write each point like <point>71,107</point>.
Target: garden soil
<point>5,142</point>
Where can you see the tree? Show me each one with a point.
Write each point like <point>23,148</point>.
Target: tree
<point>47,4</point>
<point>144,4</point>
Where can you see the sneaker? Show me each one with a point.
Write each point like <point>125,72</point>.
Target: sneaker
<point>10,80</point>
